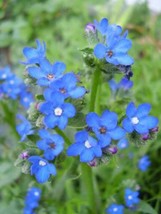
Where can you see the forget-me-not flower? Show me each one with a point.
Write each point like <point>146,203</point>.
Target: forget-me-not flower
<point>131,197</point>
<point>115,209</point>
<point>144,162</point>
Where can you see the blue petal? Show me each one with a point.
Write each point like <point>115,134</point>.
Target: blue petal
<point>93,120</point>
<point>103,26</point>
<point>86,155</point>
<point>35,72</point>
<point>45,66</point>
<point>69,110</point>
<point>52,169</point>
<point>48,154</point>
<point>51,121</point>
<point>57,99</point>
<point>41,144</point>
<point>62,122</point>
<point>122,46</point>
<point>32,159</point>
<point>97,151</point>
<point>117,133</point>
<point>43,81</point>
<point>104,140</point>
<point>46,108</point>
<point>131,110</point>
<point>100,51</point>
<point>141,129</point>
<point>113,60</point>
<point>70,80</point>
<point>30,52</point>
<point>42,175</point>
<point>149,121</point>
<point>58,68</point>
<point>143,110</point>
<point>77,92</point>
<point>34,169</point>
<point>113,85</point>
<point>109,119</point>
<point>44,134</point>
<point>81,136</point>
<point>127,125</point>
<point>58,149</point>
<point>124,59</point>
<point>47,94</point>
<point>75,149</point>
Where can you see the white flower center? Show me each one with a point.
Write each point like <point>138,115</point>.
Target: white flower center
<point>4,76</point>
<point>36,193</point>
<point>58,111</point>
<point>42,163</point>
<point>87,144</point>
<point>25,99</point>
<point>12,82</point>
<point>115,209</point>
<point>130,197</point>
<point>135,120</point>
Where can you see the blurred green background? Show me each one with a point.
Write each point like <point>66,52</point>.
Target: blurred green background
<point>60,23</point>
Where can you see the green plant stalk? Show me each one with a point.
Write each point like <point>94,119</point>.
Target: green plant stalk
<point>60,132</point>
<point>87,175</point>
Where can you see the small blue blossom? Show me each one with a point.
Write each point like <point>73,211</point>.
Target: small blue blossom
<point>123,143</point>
<point>32,200</point>
<point>144,163</point>
<point>56,111</point>
<point>138,119</point>
<point>25,128</point>
<point>85,146</point>
<point>124,84</point>
<point>34,55</point>
<point>131,197</point>
<point>105,127</point>
<point>67,85</point>
<point>26,98</point>
<point>115,209</point>
<point>5,73</point>
<point>47,73</point>
<point>41,168</point>
<point>51,144</point>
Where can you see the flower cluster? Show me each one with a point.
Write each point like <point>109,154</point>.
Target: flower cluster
<point>13,87</point>
<point>144,162</point>
<point>103,129</point>
<point>32,200</point>
<point>53,109</point>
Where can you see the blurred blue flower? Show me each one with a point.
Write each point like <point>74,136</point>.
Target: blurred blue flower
<point>85,146</point>
<point>138,119</point>
<point>5,73</point>
<point>124,84</point>
<point>115,209</point>
<point>144,163</point>
<point>131,197</point>
<point>56,111</point>
<point>123,143</point>
<point>41,168</point>
<point>51,144</point>
<point>32,200</point>
<point>46,72</point>
<point>67,85</point>
<point>24,128</point>
<point>35,55</point>
<point>26,98</point>
<point>105,127</point>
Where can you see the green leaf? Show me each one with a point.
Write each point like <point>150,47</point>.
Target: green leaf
<point>144,207</point>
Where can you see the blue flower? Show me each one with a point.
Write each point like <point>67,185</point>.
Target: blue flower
<point>67,85</point>
<point>123,143</point>
<point>115,209</point>
<point>32,200</point>
<point>56,111</point>
<point>26,98</point>
<point>85,146</point>
<point>52,144</point>
<point>105,127</point>
<point>35,55</point>
<point>138,119</point>
<point>124,84</point>
<point>5,73</point>
<point>101,26</point>
<point>24,128</point>
<point>144,163</point>
<point>47,73</point>
<point>41,168</point>
<point>131,197</point>
<point>115,51</point>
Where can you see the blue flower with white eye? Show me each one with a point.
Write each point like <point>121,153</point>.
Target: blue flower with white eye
<point>114,51</point>
<point>67,85</point>
<point>56,111</point>
<point>26,98</point>
<point>25,128</point>
<point>51,144</point>
<point>35,55</point>
<point>115,209</point>
<point>124,84</point>
<point>123,143</point>
<point>105,127</point>
<point>5,73</point>
<point>46,72</point>
<point>144,163</point>
<point>85,146</point>
<point>41,168</point>
<point>32,200</point>
<point>131,197</point>
<point>138,119</point>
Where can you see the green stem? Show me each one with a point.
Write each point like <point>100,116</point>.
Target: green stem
<point>87,175</point>
<point>60,132</point>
